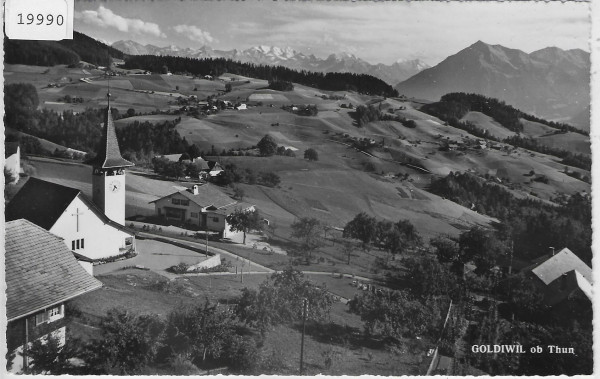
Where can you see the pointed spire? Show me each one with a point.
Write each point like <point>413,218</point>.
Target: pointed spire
<point>109,154</point>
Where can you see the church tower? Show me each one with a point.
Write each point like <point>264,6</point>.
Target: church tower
<point>108,175</point>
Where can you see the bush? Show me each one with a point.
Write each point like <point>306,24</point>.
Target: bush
<point>311,155</point>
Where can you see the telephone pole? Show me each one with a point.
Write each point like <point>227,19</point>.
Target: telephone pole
<point>304,311</point>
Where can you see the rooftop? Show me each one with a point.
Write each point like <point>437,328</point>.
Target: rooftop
<point>43,203</point>
<point>559,264</point>
<point>109,154</point>
<point>40,270</point>
<point>207,195</point>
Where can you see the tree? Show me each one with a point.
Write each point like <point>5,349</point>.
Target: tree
<point>193,151</point>
<point>267,146</point>
<point>446,249</point>
<point>311,155</point>
<point>199,332</point>
<point>129,342</point>
<point>480,246</point>
<point>362,227</point>
<point>228,87</point>
<point>307,229</point>
<point>347,248</point>
<point>244,220</point>
<point>279,300</point>
<point>48,355</point>
<point>239,193</point>
<point>192,170</point>
<point>130,112</point>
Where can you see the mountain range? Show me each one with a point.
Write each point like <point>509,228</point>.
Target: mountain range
<point>551,83</point>
<point>287,57</point>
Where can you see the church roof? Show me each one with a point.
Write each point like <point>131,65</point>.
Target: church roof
<point>43,203</point>
<point>109,155</point>
<point>40,202</point>
<point>40,270</point>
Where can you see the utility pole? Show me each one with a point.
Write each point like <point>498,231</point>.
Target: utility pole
<point>206,235</point>
<point>242,272</point>
<point>304,311</point>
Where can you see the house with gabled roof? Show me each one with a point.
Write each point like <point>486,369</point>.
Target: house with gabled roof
<point>67,213</point>
<point>203,206</point>
<point>41,275</point>
<point>562,276</point>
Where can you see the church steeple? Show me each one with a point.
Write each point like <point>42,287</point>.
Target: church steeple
<point>109,153</point>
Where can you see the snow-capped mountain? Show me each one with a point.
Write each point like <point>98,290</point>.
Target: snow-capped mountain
<point>287,57</point>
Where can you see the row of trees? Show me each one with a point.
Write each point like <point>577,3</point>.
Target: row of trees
<point>217,66</point>
<point>233,174</point>
<point>368,113</point>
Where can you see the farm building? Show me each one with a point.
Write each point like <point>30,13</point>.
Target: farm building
<point>41,276</point>
<point>202,206</point>
<point>70,215</point>
<point>12,162</point>
<point>561,276</point>
<point>241,107</point>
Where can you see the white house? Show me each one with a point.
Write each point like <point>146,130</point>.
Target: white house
<point>70,215</point>
<point>41,275</point>
<point>12,162</point>
<point>203,206</point>
<point>241,107</point>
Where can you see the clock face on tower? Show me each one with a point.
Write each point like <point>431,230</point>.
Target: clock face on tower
<point>114,186</point>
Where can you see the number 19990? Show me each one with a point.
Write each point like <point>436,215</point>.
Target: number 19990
<point>40,19</point>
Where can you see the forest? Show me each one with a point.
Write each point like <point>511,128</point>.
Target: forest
<point>82,131</point>
<point>333,81</point>
<point>458,104</point>
<point>531,225</point>
<point>52,53</point>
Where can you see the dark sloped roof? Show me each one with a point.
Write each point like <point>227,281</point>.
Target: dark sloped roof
<point>207,195</point>
<point>109,155</point>
<point>40,270</point>
<point>43,202</point>
<point>10,148</point>
<point>561,263</point>
<point>40,202</point>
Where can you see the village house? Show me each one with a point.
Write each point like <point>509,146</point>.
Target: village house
<point>561,276</point>
<point>12,160</point>
<point>41,276</point>
<point>202,206</point>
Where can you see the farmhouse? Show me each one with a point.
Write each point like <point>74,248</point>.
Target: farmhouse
<point>70,215</point>
<point>41,275</point>
<point>12,162</point>
<point>202,206</point>
<point>562,276</point>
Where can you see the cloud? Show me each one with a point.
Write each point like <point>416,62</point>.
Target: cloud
<point>105,18</point>
<point>194,33</point>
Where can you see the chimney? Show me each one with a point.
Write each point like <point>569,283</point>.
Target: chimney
<point>194,189</point>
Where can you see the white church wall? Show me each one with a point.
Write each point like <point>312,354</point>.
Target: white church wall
<point>100,240</point>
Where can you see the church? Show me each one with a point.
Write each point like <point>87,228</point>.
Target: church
<point>93,229</point>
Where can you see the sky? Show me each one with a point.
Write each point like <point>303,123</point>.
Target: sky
<point>378,32</point>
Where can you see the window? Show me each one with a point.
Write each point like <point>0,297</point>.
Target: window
<point>175,201</point>
<point>185,202</point>
<point>41,318</point>
<point>194,214</point>
<point>215,219</point>
<point>54,312</point>
<point>77,244</point>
